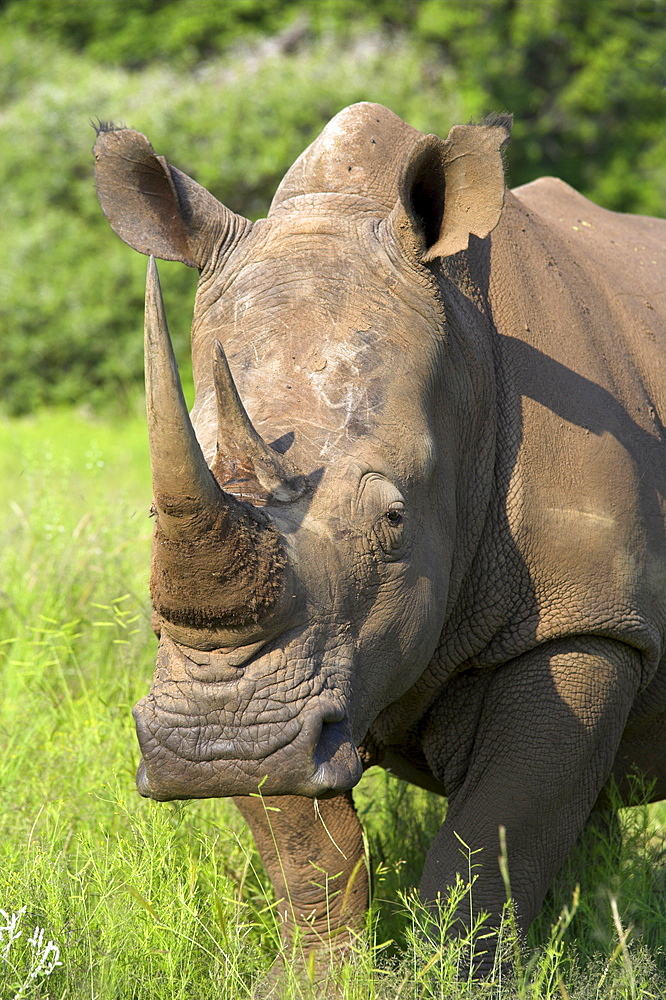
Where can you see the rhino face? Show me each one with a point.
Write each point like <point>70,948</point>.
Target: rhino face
<point>300,587</point>
<point>353,589</point>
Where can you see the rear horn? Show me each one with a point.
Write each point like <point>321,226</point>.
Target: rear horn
<point>237,440</point>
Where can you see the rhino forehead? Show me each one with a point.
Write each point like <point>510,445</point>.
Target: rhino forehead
<point>328,341</point>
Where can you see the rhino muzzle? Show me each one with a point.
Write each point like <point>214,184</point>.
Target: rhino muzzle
<point>312,754</point>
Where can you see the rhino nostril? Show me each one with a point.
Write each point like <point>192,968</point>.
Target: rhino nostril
<point>333,734</point>
<point>337,763</point>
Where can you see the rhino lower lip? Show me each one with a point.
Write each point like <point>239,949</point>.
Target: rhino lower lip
<point>142,783</point>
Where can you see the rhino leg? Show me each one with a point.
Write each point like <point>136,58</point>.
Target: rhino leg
<point>313,853</point>
<point>548,732</point>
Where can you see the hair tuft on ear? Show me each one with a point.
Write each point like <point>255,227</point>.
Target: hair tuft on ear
<point>500,119</point>
<point>503,121</point>
<point>102,126</point>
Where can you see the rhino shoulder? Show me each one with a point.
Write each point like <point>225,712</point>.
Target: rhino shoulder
<point>565,208</point>
<point>555,200</point>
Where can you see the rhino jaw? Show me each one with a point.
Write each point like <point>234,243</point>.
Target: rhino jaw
<point>314,755</point>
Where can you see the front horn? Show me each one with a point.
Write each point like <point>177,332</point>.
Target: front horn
<point>180,474</point>
<point>217,563</point>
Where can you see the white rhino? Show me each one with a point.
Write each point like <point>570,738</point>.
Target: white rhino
<point>417,516</point>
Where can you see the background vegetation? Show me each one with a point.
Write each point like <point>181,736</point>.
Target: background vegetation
<point>233,90</point>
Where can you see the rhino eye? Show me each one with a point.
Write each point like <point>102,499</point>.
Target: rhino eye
<point>394,516</point>
<point>390,534</point>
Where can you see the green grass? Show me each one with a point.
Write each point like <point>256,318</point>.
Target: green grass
<point>149,900</point>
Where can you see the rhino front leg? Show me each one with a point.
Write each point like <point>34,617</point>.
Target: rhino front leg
<point>548,731</point>
<point>313,853</point>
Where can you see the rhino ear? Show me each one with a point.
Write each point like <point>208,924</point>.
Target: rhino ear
<point>155,208</point>
<point>452,188</point>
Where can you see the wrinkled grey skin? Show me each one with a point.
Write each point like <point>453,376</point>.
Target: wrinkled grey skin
<point>456,469</point>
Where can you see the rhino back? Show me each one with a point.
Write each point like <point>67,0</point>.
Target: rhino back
<point>577,296</point>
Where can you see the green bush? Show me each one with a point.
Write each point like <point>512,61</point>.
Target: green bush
<point>72,293</point>
<point>231,92</point>
<point>584,80</point>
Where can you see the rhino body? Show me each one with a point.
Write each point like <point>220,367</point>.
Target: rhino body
<point>417,519</point>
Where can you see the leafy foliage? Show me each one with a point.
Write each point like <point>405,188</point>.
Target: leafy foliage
<point>584,79</point>
<point>136,32</point>
<point>231,92</point>
<point>70,311</point>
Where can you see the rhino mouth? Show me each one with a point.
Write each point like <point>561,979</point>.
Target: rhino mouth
<point>312,754</point>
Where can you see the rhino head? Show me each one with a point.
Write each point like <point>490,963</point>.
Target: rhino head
<point>309,532</point>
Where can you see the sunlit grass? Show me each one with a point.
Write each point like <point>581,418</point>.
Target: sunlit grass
<point>168,900</point>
